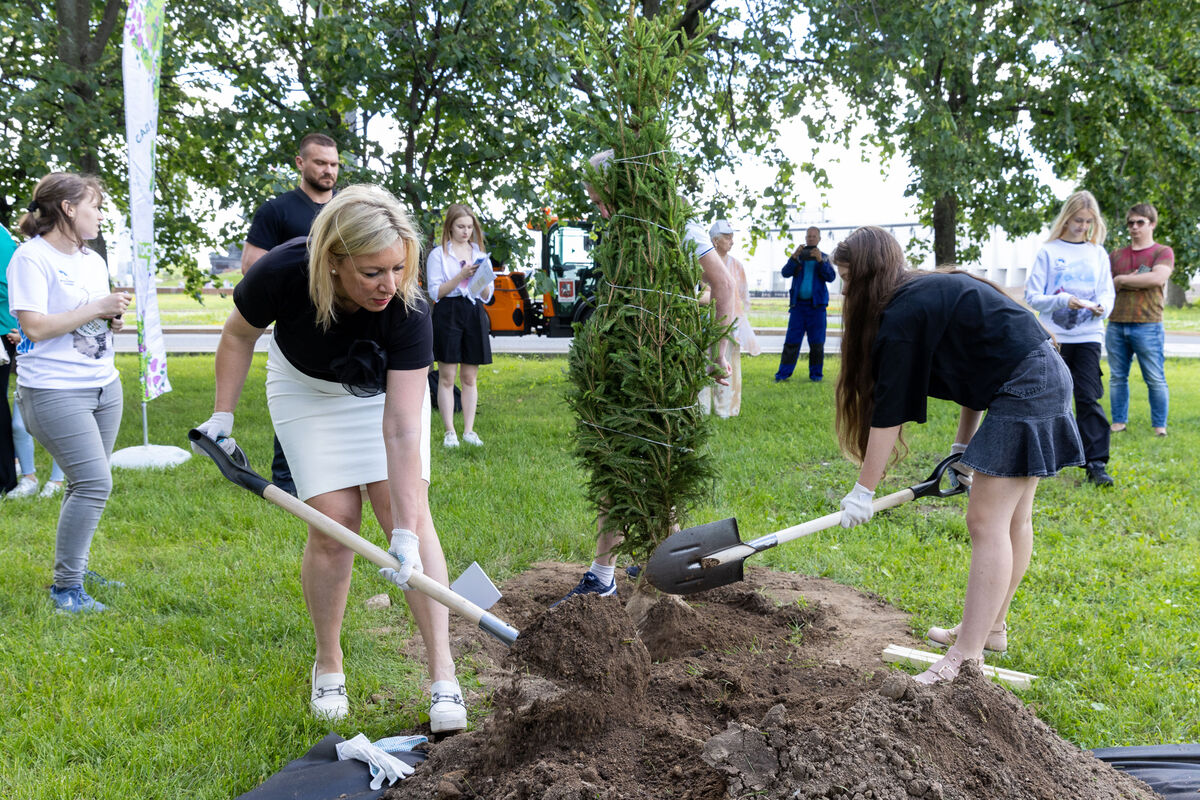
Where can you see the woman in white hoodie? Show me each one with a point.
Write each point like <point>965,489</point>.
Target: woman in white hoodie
<point>1071,287</point>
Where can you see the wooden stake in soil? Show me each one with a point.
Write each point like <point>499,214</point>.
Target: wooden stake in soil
<point>894,653</point>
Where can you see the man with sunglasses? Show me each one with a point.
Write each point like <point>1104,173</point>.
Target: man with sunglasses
<point>1140,272</point>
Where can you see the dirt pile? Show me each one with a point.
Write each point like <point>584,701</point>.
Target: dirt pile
<point>770,688</point>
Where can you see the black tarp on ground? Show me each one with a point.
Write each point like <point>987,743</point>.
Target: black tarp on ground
<point>1172,770</point>
<point>318,775</point>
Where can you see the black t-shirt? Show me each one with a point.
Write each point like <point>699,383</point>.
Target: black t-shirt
<point>947,336</point>
<point>287,216</point>
<point>358,347</point>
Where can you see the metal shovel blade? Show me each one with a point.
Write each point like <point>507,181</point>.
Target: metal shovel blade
<point>675,566</point>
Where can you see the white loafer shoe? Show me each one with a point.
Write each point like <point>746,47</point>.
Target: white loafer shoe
<point>447,711</point>
<point>329,700</point>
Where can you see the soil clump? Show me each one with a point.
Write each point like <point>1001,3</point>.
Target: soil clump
<point>771,688</point>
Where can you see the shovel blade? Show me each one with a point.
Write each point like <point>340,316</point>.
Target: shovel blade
<point>676,566</point>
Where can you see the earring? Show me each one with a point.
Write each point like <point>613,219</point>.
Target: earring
<point>333,272</point>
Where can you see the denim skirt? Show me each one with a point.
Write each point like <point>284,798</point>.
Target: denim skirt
<point>1029,430</point>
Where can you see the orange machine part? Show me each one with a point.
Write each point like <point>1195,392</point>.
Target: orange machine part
<point>548,304</point>
<point>506,312</point>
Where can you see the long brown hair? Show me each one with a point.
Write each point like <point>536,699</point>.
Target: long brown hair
<point>874,266</point>
<point>456,211</point>
<point>46,212</point>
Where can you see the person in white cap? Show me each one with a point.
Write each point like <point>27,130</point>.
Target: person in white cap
<point>727,400</point>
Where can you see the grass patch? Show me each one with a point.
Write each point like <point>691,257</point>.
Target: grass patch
<point>195,684</point>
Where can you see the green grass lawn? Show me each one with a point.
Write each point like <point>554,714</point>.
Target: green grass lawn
<point>195,683</point>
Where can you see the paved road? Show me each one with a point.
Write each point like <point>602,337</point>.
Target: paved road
<point>204,340</point>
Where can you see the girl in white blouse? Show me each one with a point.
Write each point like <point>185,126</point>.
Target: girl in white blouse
<point>460,324</point>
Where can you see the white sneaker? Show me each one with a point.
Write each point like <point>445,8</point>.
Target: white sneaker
<point>27,487</point>
<point>329,700</point>
<point>50,489</point>
<point>471,437</point>
<point>450,439</point>
<point>447,711</point>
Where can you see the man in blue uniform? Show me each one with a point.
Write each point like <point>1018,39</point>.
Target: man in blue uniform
<point>810,271</point>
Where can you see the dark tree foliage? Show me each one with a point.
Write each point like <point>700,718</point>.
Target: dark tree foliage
<point>639,362</point>
<point>1124,118</point>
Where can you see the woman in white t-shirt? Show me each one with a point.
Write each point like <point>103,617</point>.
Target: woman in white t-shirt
<point>461,330</point>
<point>68,389</point>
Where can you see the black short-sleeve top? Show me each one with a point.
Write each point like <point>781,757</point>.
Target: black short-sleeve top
<point>281,218</point>
<point>947,336</point>
<point>358,347</point>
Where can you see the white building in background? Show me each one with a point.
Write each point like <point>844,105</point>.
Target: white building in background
<point>1002,260</point>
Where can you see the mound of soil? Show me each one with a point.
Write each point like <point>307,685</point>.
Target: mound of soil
<point>769,688</point>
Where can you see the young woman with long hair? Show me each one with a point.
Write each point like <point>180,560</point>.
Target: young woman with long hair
<point>908,336</point>
<point>461,330</point>
<point>1070,286</point>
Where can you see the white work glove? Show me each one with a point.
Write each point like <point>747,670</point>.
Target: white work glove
<point>218,427</point>
<point>959,473</point>
<point>856,506</point>
<point>406,548</point>
<point>382,764</point>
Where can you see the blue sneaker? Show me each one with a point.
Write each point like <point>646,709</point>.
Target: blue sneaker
<point>74,600</point>
<point>100,580</point>
<point>591,585</point>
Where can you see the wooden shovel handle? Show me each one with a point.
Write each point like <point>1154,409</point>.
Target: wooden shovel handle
<point>382,558</point>
<point>742,551</point>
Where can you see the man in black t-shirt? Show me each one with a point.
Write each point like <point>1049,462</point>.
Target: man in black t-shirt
<point>285,217</point>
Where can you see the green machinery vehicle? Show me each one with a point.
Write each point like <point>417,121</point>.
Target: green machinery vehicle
<point>548,301</point>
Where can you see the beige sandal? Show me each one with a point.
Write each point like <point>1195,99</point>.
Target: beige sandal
<point>996,642</point>
<point>945,669</point>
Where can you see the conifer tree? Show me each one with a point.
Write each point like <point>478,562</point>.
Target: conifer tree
<point>638,364</point>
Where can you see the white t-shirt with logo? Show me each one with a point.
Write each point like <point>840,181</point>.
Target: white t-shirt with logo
<point>45,280</point>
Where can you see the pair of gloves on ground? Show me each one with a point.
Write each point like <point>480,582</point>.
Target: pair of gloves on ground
<point>405,545</point>
<point>857,507</point>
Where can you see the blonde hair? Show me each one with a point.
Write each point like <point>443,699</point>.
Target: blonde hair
<point>45,210</point>
<point>360,220</point>
<point>454,212</point>
<point>1080,201</point>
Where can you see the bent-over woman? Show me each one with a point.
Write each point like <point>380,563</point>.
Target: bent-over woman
<point>348,396</point>
<point>909,336</point>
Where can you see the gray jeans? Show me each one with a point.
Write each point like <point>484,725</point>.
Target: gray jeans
<point>77,427</point>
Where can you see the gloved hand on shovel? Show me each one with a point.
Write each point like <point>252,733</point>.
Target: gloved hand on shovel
<point>959,473</point>
<point>405,547</point>
<point>218,427</point>
<point>856,506</point>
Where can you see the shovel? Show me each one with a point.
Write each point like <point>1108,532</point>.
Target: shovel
<point>235,467</point>
<point>712,555</point>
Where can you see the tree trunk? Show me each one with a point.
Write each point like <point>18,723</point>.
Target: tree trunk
<point>1176,296</point>
<point>945,213</point>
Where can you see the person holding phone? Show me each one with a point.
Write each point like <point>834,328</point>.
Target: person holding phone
<point>1071,286</point>
<point>461,331</point>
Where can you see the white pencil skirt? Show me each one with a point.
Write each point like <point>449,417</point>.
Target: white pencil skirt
<point>332,439</point>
